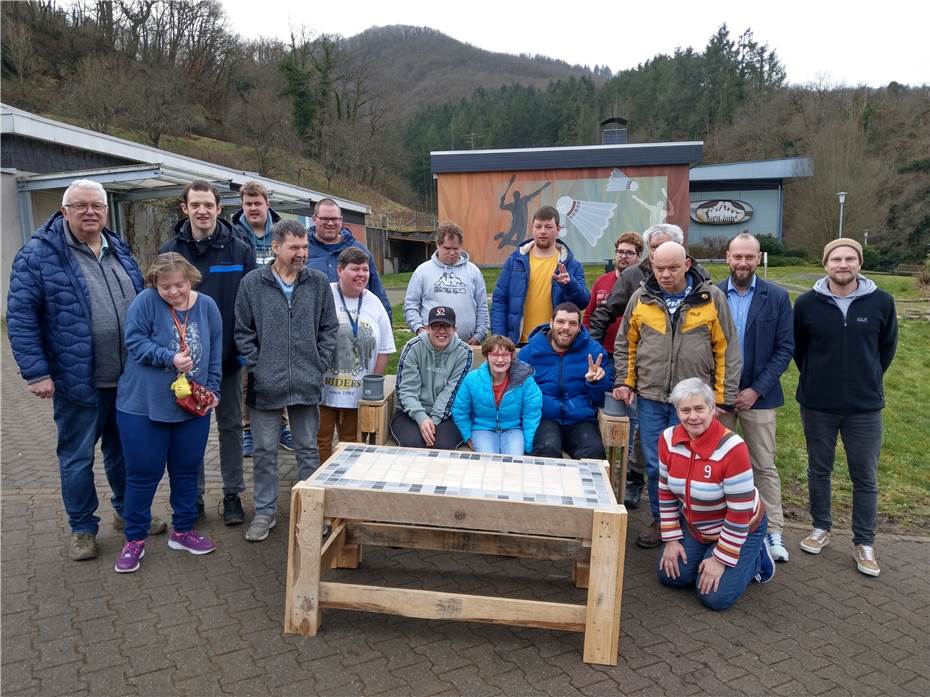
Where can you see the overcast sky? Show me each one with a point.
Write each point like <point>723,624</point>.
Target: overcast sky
<point>816,40</point>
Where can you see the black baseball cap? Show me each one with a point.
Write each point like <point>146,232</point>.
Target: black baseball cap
<point>441,315</point>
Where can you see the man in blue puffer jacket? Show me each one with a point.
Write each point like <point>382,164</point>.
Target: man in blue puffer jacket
<point>573,371</point>
<point>69,291</point>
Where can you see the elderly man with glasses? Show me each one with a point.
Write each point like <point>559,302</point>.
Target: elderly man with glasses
<point>328,238</point>
<point>72,355</point>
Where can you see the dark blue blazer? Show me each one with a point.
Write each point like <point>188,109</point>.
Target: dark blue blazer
<point>769,342</point>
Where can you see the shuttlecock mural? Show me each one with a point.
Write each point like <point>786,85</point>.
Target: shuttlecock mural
<point>618,181</point>
<point>590,218</point>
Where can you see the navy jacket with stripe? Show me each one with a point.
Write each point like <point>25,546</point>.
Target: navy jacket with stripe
<point>222,259</point>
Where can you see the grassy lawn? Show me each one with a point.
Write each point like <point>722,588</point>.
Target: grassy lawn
<point>904,485</point>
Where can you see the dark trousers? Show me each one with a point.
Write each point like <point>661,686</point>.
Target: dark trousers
<point>862,440</point>
<point>228,416</point>
<point>149,447</point>
<point>581,440</point>
<point>406,432</point>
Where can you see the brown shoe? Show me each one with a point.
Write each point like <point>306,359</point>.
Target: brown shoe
<point>650,537</point>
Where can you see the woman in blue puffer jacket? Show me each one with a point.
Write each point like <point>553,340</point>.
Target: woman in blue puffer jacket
<point>498,407</point>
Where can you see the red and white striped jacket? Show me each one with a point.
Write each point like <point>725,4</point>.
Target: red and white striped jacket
<point>709,482</point>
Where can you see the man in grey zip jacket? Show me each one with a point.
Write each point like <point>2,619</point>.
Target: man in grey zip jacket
<point>432,366</point>
<point>286,330</point>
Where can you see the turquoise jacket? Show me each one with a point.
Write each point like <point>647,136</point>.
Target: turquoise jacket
<point>521,406</point>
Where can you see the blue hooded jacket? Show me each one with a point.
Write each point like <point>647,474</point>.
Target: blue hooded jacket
<point>567,397</point>
<point>49,315</point>
<point>510,291</point>
<point>323,258</point>
<point>474,408</point>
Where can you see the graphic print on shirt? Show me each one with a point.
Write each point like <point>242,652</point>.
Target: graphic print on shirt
<point>351,358</point>
<point>450,284</point>
<point>194,343</point>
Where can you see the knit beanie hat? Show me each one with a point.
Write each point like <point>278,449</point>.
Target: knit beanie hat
<point>841,242</point>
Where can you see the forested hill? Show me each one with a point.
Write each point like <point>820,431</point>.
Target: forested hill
<point>413,67</point>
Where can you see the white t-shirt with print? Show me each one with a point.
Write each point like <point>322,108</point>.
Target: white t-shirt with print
<point>355,357</point>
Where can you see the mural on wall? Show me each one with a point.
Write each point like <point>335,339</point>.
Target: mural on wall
<point>595,206</point>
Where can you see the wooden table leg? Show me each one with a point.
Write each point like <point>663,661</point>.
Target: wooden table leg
<point>305,537</point>
<point>602,622</point>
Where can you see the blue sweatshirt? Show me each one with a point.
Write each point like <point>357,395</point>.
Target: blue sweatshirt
<point>144,389</point>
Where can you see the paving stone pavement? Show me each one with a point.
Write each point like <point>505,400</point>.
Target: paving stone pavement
<point>212,625</point>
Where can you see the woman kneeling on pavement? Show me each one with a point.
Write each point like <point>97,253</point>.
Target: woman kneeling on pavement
<point>713,521</point>
<point>173,336</point>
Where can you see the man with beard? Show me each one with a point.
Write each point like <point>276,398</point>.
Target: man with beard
<point>539,275</point>
<point>573,371</point>
<point>762,314</point>
<point>286,329</point>
<point>223,259</point>
<point>676,326</point>
<point>845,333</point>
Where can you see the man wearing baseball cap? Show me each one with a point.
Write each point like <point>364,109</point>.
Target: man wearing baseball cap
<point>431,368</point>
<point>845,332</point>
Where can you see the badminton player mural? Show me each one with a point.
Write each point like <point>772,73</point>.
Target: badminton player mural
<point>595,206</point>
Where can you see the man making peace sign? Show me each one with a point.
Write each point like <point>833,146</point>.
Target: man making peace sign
<point>573,372</point>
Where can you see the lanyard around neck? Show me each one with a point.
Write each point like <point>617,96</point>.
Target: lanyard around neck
<point>352,322</point>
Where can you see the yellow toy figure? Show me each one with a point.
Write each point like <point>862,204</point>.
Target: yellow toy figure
<point>181,386</point>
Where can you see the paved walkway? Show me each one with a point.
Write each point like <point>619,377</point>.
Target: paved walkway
<point>211,625</point>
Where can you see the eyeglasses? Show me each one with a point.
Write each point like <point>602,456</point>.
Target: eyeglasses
<point>81,207</point>
<point>440,327</point>
<point>328,221</point>
<point>499,356</point>
<point>626,253</point>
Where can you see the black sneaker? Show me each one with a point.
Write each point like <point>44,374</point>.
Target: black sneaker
<point>633,493</point>
<point>232,510</point>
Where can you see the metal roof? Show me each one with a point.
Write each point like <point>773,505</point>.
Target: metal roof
<point>573,157</point>
<point>172,169</point>
<point>786,168</point>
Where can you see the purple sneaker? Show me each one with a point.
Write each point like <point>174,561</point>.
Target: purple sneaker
<point>191,541</point>
<point>128,559</point>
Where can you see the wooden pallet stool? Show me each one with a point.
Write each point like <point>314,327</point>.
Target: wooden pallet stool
<point>530,507</point>
<point>374,415</point>
<point>615,432</point>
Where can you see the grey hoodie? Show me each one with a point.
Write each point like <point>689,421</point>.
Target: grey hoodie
<point>843,302</point>
<point>286,347</point>
<point>460,286</point>
<point>427,379</point>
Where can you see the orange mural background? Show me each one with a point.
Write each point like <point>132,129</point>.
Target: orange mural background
<point>473,201</point>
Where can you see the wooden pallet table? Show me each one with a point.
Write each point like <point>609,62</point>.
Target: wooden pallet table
<point>531,507</point>
<point>615,432</point>
<point>374,415</point>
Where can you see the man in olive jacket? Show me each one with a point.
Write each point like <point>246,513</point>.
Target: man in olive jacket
<point>286,330</point>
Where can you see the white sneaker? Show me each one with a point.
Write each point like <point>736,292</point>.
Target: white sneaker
<point>260,527</point>
<point>776,545</point>
<point>865,560</point>
<point>816,541</point>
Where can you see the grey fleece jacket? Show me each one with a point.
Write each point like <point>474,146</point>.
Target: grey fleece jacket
<point>427,379</point>
<point>460,286</point>
<point>286,348</point>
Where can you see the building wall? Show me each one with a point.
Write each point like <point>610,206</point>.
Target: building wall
<point>496,209</point>
<point>766,216</point>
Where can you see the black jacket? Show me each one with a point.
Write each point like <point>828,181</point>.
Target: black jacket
<point>222,259</point>
<point>842,359</point>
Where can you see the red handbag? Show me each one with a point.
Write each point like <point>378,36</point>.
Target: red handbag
<point>199,401</point>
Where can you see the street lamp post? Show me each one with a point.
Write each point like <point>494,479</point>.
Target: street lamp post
<point>842,196</point>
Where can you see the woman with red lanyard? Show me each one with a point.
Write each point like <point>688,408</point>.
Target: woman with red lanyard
<point>499,405</point>
<point>174,341</point>
<point>712,519</point>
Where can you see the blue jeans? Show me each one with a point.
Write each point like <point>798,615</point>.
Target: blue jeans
<point>735,579</point>
<point>79,429</point>
<point>502,442</point>
<point>149,446</point>
<point>862,440</point>
<point>654,417</point>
